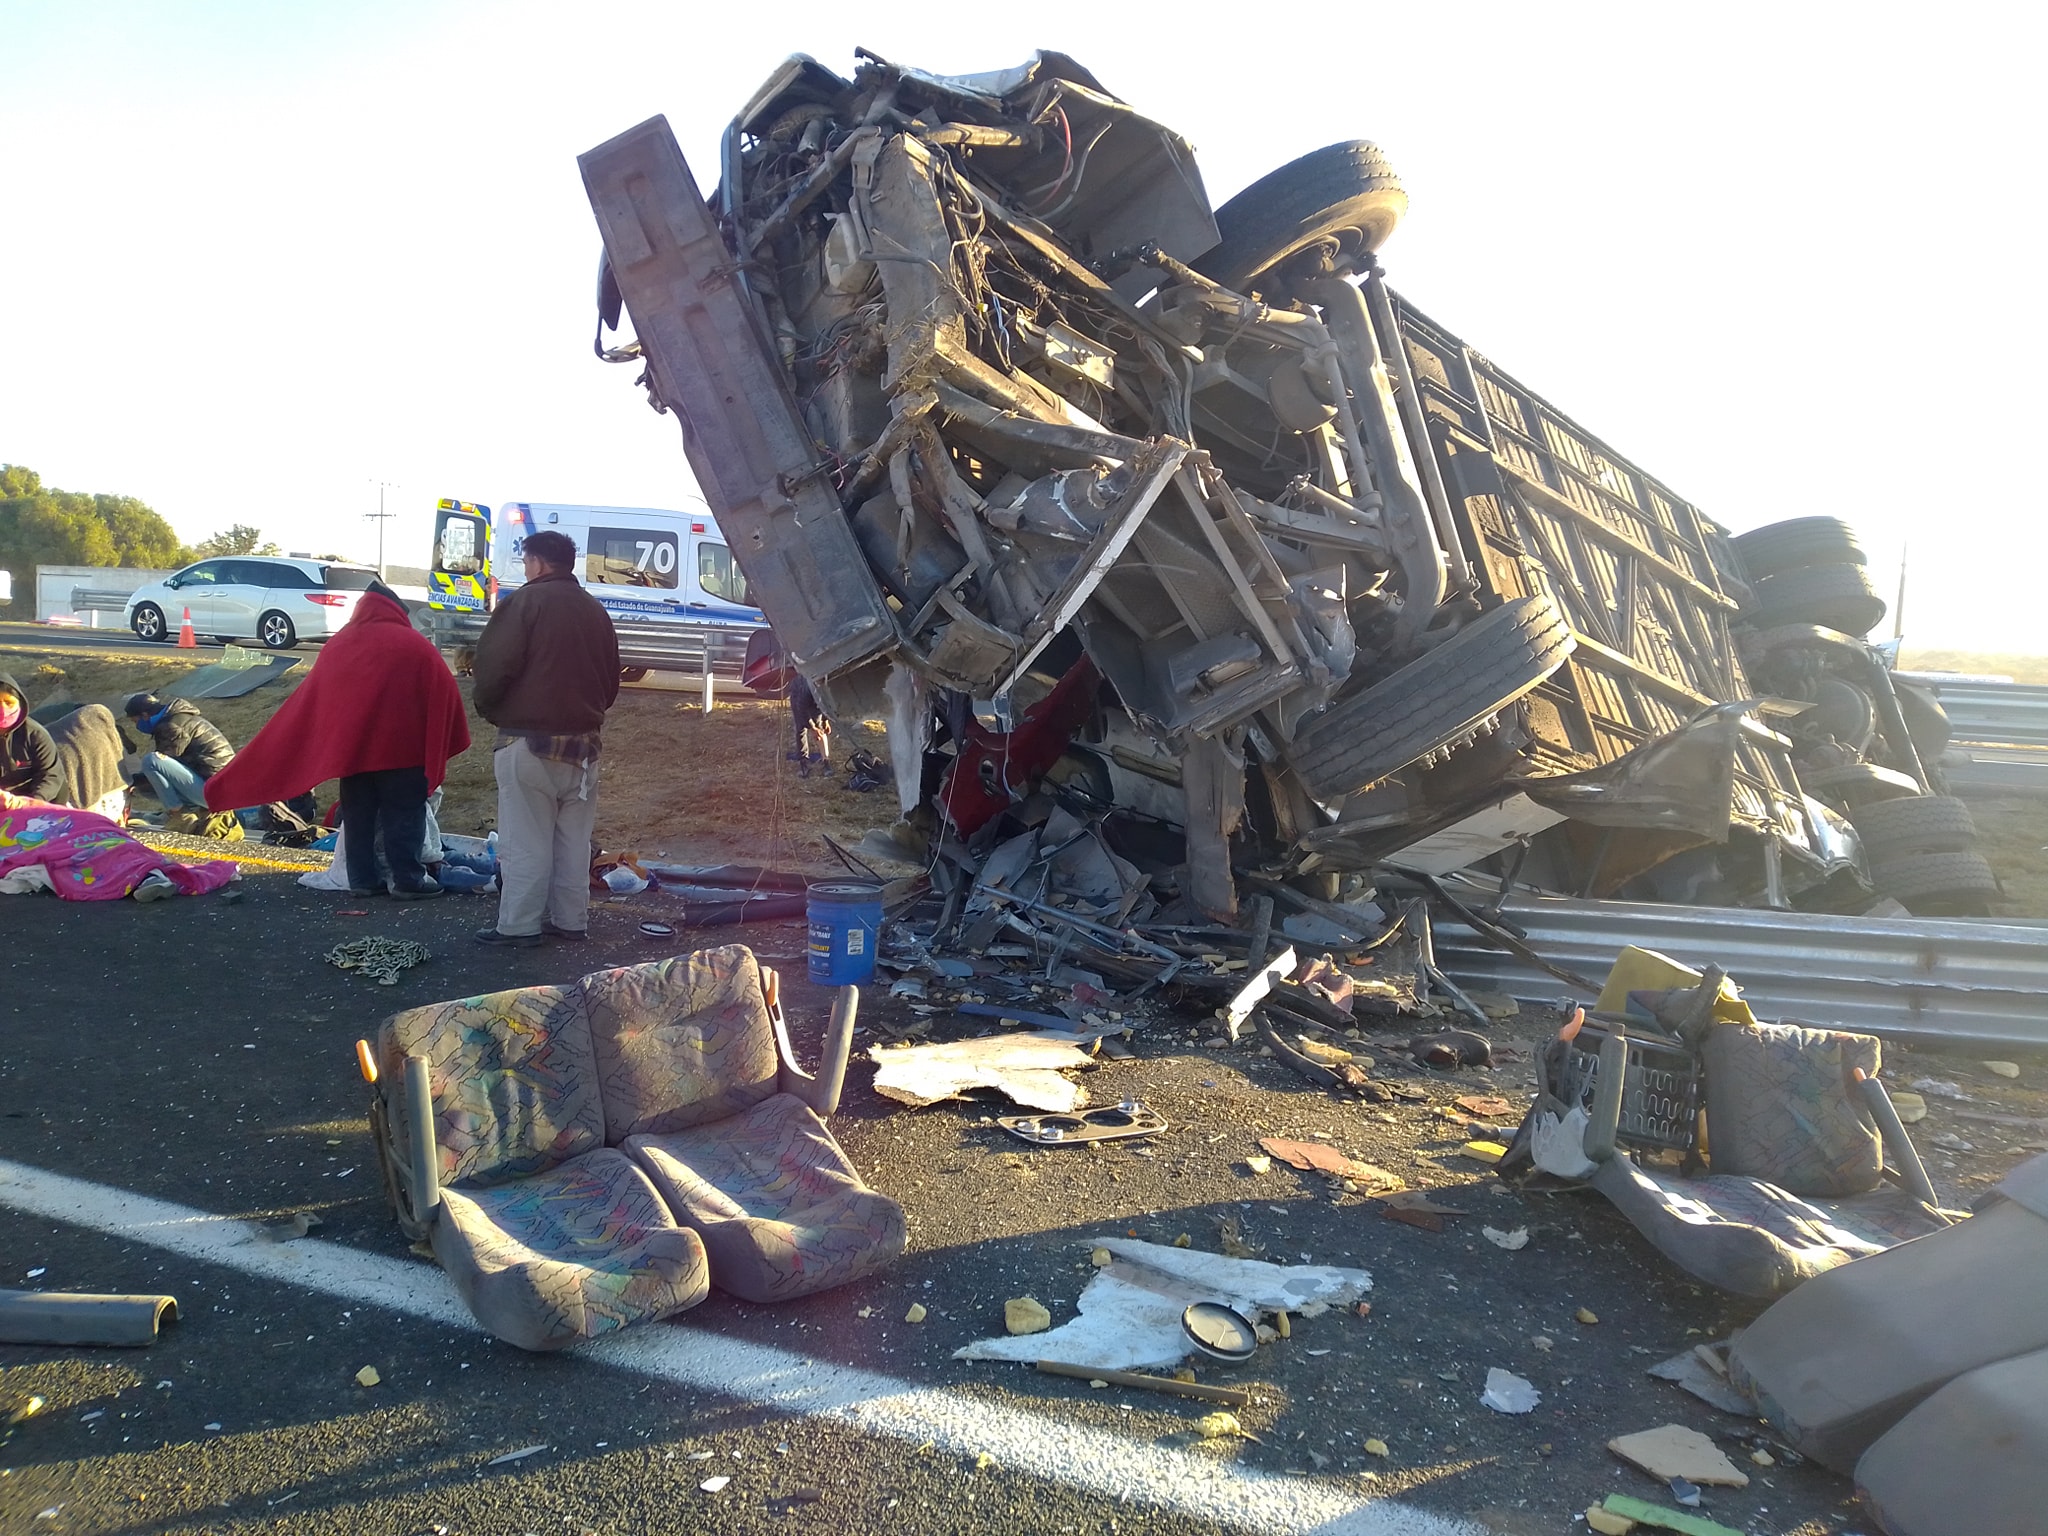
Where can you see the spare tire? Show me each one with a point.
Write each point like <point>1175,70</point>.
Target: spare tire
<point>1436,698</point>
<point>1938,884</point>
<point>1833,596</point>
<point>1900,829</point>
<point>1344,193</point>
<point>1797,544</point>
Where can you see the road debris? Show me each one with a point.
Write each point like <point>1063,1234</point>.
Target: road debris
<point>715,1484</point>
<point>1100,1376</point>
<point>1130,1314</point>
<point>380,959</point>
<point>916,1314</point>
<point>2003,1068</point>
<point>1672,1450</point>
<point>1318,1155</point>
<point>1587,1316</point>
<point>1025,1314</point>
<point>519,1455</point>
<point>1221,1426</point>
<point>1604,1522</point>
<point>1693,1370</point>
<point>1025,1068</point>
<point>69,1317</point>
<point>1513,1241</point>
<point>1414,1208</point>
<point>368,1377</point>
<point>1376,1448</point>
<point>1508,1393</point>
<point>1644,1513</point>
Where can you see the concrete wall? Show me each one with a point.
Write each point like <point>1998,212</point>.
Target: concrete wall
<point>55,583</point>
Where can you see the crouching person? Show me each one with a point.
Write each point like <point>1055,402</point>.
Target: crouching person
<point>189,750</point>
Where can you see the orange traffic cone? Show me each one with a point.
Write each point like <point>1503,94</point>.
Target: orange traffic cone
<point>186,639</point>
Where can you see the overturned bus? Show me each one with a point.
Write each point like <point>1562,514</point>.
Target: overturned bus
<point>1075,479</point>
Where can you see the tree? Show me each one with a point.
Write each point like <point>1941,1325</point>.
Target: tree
<point>42,526</point>
<point>239,539</point>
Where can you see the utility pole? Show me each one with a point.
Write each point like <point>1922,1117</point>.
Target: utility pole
<point>380,517</point>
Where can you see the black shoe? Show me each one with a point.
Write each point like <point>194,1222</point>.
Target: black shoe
<point>424,891</point>
<point>564,935</point>
<point>365,892</point>
<point>508,940</point>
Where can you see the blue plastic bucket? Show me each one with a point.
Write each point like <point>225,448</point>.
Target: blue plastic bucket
<point>846,921</point>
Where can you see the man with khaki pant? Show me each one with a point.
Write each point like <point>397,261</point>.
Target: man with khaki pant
<point>547,669</point>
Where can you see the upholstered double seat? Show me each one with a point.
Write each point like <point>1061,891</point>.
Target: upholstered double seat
<point>585,1156</point>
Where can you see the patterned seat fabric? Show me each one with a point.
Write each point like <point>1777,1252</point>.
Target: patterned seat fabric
<point>550,1233</point>
<point>780,1208</point>
<point>681,1041</point>
<point>514,1081</point>
<point>561,1256</point>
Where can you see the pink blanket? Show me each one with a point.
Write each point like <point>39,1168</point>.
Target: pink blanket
<point>83,857</point>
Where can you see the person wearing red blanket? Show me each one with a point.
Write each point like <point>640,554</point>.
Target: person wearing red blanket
<point>382,713</point>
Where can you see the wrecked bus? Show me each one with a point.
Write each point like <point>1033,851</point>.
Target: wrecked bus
<point>1071,476</point>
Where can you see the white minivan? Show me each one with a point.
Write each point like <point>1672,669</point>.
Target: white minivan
<point>667,578</point>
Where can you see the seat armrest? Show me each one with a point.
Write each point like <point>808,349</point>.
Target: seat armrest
<point>425,1161</point>
<point>821,1092</point>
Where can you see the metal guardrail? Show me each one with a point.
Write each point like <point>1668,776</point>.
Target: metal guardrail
<point>1997,714</point>
<point>719,649</point>
<point>1994,771</point>
<point>94,600</point>
<point>1928,981</point>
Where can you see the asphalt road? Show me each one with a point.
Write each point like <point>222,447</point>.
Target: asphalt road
<point>199,1052</point>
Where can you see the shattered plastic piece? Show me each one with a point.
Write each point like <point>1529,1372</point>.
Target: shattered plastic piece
<point>519,1455</point>
<point>1686,1369</point>
<point>368,1377</point>
<point>1672,1450</point>
<point>1586,1315</point>
<point>1100,1258</point>
<point>1025,1314</point>
<point>1606,1523</point>
<point>916,1314</point>
<point>1414,1208</point>
<point>1508,1393</point>
<point>1542,1341</point>
<point>1485,1107</point>
<point>1025,1067</point>
<point>1911,1107</point>
<point>1687,1494</point>
<point>1484,1151</point>
<point>1763,1458</point>
<point>714,1484</point>
<point>1512,1241</point>
<point>1130,1313</point>
<point>1376,1448</point>
<point>1259,1164</point>
<point>1314,1154</point>
<point>2003,1068</point>
<point>1644,1513</point>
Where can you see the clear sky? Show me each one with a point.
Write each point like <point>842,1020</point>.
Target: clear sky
<point>262,256</point>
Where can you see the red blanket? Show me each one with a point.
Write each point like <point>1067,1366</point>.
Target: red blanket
<point>380,696</point>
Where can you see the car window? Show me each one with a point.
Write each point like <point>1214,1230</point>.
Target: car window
<point>631,557</point>
<point>250,573</point>
<point>275,573</point>
<point>719,574</point>
<point>205,574</point>
<point>346,578</point>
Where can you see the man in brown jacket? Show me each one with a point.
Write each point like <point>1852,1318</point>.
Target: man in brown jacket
<point>547,669</point>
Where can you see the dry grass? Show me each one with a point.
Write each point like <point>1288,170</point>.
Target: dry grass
<point>675,782</point>
<point>2021,669</point>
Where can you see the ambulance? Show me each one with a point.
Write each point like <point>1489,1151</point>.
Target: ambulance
<point>668,579</point>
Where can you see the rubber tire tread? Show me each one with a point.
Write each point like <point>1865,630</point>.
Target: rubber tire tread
<point>1895,830</point>
<point>1930,878</point>
<point>291,630</point>
<point>1797,544</point>
<point>1835,596</point>
<point>1486,666</point>
<point>1335,187</point>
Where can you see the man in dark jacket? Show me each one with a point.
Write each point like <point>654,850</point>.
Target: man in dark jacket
<point>189,749</point>
<point>28,758</point>
<point>547,669</point>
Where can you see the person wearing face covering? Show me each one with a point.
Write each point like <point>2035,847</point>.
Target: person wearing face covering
<point>28,758</point>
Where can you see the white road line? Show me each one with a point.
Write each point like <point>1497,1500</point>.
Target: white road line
<point>1030,1441</point>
